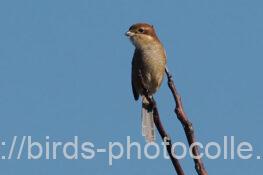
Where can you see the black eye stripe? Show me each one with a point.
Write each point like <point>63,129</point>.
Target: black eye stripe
<point>141,30</point>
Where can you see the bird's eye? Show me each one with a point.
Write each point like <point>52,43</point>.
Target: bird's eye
<point>141,30</point>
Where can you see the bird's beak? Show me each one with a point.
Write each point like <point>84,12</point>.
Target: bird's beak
<point>129,33</point>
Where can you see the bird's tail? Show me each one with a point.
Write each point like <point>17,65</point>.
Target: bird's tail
<point>147,121</point>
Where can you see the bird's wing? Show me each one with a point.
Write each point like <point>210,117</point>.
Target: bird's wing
<point>134,77</point>
<point>135,93</point>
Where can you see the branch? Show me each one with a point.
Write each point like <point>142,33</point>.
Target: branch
<point>160,128</point>
<point>187,125</point>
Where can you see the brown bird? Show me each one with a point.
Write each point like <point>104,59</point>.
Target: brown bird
<point>149,58</point>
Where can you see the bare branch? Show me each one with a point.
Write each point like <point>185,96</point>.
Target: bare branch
<point>160,128</point>
<point>187,125</point>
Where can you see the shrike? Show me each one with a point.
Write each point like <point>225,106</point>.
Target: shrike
<point>149,59</point>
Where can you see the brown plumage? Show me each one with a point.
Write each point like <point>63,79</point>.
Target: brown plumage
<point>149,58</point>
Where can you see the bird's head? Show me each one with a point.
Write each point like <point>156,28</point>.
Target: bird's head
<point>142,35</point>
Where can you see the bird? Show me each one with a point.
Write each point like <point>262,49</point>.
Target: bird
<point>149,61</point>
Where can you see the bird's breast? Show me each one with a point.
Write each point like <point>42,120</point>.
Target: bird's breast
<point>153,67</point>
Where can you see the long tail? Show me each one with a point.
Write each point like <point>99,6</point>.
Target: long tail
<point>147,121</point>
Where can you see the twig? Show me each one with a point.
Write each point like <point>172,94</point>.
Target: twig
<point>160,128</point>
<point>187,125</point>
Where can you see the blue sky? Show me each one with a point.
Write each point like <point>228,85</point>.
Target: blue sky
<point>65,71</point>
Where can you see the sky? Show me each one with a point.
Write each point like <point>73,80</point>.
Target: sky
<point>65,71</point>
